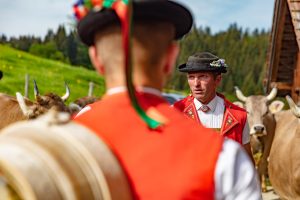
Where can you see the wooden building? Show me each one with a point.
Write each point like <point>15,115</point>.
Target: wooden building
<point>283,62</point>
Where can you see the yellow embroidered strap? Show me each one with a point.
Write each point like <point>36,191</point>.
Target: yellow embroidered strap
<point>217,129</point>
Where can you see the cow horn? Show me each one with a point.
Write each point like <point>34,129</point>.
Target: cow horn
<point>91,89</point>
<point>36,89</point>
<point>26,111</point>
<point>295,109</point>
<point>66,96</point>
<point>239,94</point>
<point>272,94</point>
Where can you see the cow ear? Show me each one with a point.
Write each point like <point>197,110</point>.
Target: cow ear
<point>276,106</point>
<point>239,104</point>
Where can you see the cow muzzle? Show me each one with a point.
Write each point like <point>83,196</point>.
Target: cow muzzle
<point>258,130</point>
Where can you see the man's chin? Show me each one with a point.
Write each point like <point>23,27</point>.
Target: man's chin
<point>199,97</point>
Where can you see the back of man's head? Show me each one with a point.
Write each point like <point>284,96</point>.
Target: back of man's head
<point>156,23</point>
<point>150,43</point>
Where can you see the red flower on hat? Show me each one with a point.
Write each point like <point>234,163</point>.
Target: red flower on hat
<point>80,10</point>
<point>82,7</point>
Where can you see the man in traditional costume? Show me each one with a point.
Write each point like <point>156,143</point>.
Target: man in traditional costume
<point>208,107</point>
<point>163,154</point>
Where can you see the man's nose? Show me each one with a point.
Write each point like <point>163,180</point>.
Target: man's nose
<point>197,82</point>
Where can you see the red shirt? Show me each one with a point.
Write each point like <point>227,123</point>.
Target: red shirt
<point>175,162</point>
<point>233,121</point>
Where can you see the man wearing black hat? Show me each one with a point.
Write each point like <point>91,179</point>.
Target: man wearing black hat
<point>208,107</point>
<point>174,161</point>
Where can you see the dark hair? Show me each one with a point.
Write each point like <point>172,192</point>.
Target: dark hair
<point>1,74</point>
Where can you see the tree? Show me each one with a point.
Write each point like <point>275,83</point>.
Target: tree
<point>49,36</point>
<point>47,50</point>
<point>60,39</point>
<point>72,46</point>
<point>3,39</point>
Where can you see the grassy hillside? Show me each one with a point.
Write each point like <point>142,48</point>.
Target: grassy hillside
<point>49,75</point>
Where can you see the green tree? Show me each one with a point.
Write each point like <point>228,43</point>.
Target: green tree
<point>47,50</point>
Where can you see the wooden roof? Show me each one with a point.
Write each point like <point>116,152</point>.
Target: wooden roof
<point>283,62</point>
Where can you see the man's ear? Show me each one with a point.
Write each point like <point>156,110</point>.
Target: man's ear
<point>172,54</point>
<point>95,59</point>
<point>218,79</point>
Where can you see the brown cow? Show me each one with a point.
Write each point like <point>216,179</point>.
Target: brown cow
<point>10,110</point>
<point>80,103</point>
<point>15,109</point>
<point>284,160</point>
<point>262,126</point>
<point>51,100</point>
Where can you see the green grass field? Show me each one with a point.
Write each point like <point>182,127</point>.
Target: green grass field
<point>49,75</point>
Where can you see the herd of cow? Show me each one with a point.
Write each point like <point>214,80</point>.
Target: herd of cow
<point>274,132</point>
<point>13,109</point>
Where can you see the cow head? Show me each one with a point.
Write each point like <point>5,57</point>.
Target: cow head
<point>259,109</point>
<point>43,103</point>
<point>82,102</point>
<point>51,100</point>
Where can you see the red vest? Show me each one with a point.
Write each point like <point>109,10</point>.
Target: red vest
<point>233,121</point>
<point>174,162</point>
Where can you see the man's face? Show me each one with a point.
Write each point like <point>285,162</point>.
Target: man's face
<point>203,85</point>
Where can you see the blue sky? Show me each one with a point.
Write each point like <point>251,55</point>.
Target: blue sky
<point>35,17</point>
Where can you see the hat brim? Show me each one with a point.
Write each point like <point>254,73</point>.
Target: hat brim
<point>196,68</point>
<point>168,11</point>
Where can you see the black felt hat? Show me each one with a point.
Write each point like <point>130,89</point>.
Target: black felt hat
<point>203,61</point>
<point>160,10</point>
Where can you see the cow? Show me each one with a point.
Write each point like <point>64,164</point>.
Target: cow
<point>76,106</point>
<point>10,110</point>
<point>80,103</point>
<point>262,126</point>
<point>19,108</point>
<point>284,159</point>
<point>51,100</point>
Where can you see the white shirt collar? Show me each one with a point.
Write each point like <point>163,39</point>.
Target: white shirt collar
<point>212,104</point>
<point>116,90</point>
<point>140,89</point>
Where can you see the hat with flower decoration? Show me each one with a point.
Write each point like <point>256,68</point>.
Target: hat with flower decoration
<point>95,15</point>
<point>204,61</point>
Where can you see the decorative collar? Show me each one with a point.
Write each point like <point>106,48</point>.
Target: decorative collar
<point>212,104</point>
